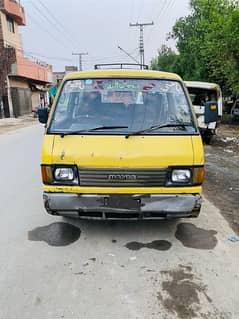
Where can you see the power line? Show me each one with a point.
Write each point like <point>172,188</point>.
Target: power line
<point>33,55</point>
<point>166,6</point>
<point>141,38</point>
<point>170,3</point>
<point>62,44</point>
<point>128,54</point>
<point>157,18</point>
<point>58,22</point>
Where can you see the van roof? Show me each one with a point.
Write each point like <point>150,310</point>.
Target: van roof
<point>201,85</point>
<point>122,73</point>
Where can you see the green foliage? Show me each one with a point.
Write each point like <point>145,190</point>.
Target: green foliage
<point>208,45</point>
<point>166,61</point>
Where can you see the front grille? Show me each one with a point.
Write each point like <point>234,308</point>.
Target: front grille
<point>122,177</point>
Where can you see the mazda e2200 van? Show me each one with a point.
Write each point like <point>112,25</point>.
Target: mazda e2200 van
<point>122,144</point>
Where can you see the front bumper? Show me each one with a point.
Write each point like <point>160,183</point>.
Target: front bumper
<point>123,206</point>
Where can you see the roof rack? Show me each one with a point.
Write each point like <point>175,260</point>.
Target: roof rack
<point>121,66</point>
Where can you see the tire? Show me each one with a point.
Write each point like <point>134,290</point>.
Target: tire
<point>207,138</point>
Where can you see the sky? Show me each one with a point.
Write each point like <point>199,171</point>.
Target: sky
<point>57,28</point>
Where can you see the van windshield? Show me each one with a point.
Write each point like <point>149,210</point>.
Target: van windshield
<point>200,96</point>
<point>121,106</point>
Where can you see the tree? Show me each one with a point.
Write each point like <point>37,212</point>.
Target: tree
<point>167,60</point>
<point>207,43</point>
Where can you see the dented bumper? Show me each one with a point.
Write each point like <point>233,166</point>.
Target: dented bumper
<point>122,206</point>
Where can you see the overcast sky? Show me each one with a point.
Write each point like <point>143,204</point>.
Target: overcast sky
<point>56,28</point>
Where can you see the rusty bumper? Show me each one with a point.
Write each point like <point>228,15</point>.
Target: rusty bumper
<point>122,206</point>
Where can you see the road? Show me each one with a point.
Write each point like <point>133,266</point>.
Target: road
<point>52,267</point>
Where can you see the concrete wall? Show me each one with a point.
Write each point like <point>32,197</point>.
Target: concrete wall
<point>21,101</point>
<point>10,38</point>
<point>18,83</point>
<point>35,99</point>
<point>32,70</point>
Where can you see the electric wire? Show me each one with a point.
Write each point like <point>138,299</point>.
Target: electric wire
<point>156,20</point>
<point>46,31</point>
<point>58,27</point>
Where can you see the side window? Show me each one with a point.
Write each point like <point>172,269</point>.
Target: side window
<point>62,106</point>
<point>178,108</point>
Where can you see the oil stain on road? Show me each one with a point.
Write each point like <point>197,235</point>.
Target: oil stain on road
<point>181,292</point>
<point>56,234</point>
<point>194,237</point>
<point>156,244</point>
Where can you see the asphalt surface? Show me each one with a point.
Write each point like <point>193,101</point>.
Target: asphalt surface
<point>52,267</point>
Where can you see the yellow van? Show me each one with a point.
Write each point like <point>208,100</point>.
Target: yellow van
<point>122,144</point>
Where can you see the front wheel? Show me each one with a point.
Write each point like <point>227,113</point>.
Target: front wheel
<point>207,137</point>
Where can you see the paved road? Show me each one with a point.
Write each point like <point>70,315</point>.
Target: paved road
<point>57,268</point>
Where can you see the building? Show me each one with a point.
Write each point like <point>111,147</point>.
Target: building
<point>58,76</point>
<point>23,82</point>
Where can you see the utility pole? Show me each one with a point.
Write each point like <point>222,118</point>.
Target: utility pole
<point>129,55</point>
<point>141,38</point>
<point>80,54</point>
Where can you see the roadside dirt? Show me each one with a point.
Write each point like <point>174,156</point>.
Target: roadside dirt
<point>13,124</point>
<point>221,185</point>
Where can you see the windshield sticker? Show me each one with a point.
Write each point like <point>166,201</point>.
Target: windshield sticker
<point>148,86</point>
<point>119,85</point>
<point>122,85</point>
<point>74,86</point>
<point>126,97</point>
<point>88,82</point>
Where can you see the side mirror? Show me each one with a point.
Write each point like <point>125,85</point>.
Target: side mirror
<point>211,112</point>
<point>43,114</point>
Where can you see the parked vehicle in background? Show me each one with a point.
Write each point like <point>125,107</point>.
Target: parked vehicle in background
<point>206,98</point>
<point>235,111</point>
<point>122,144</point>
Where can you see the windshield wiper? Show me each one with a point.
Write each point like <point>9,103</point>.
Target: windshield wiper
<point>156,127</point>
<point>92,130</point>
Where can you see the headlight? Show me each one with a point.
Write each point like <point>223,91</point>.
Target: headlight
<point>188,176</point>
<point>181,176</point>
<point>59,175</point>
<point>64,174</point>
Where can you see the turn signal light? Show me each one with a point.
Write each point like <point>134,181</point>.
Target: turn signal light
<point>46,173</point>
<point>198,175</point>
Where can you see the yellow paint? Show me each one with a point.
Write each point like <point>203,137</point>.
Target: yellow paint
<point>111,151</point>
<point>122,73</point>
<point>198,150</point>
<point>125,190</point>
<point>117,151</point>
<point>100,151</point>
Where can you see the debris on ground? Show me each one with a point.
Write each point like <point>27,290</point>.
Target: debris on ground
<point>233,238</point>
<point>12,124</point>
<point>221,185</point>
